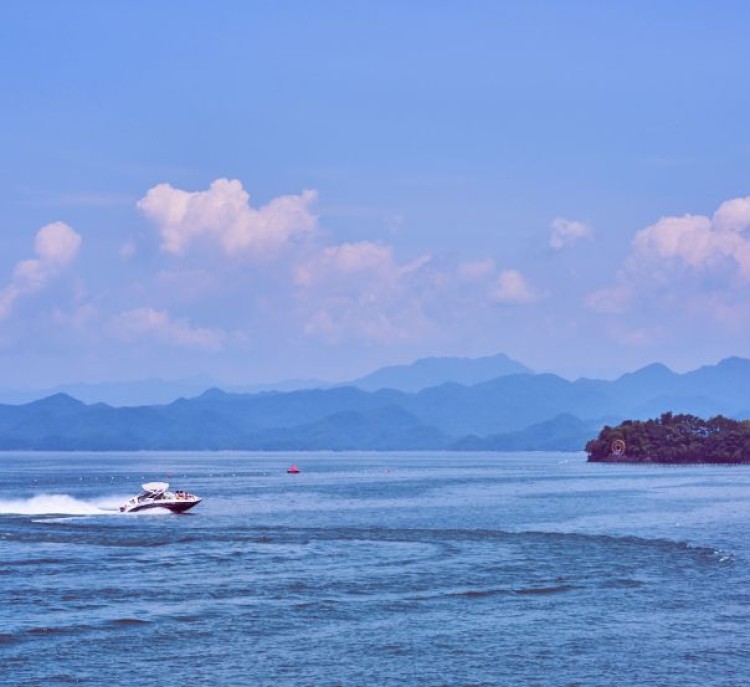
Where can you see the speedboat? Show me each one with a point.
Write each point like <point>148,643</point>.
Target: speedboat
<point>155,495</point>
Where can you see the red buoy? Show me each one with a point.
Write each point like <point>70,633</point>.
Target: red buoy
<point>293,470</point>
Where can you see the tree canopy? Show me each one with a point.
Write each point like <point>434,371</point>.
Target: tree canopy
<point>673,439</point>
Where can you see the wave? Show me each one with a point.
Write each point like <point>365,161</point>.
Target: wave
<point>58,504</point>
<point>543,591</point>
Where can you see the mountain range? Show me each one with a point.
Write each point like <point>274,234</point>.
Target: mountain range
<point>511,411</point>
<point>415,376</point>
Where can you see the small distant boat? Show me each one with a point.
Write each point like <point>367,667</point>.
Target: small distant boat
<point>155,495</point>
<point>293,470</point>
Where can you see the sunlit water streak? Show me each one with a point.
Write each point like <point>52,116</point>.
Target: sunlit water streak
<point>392,569</point>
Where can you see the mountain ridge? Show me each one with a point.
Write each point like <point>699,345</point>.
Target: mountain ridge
<point>413,376</point>
<point>522,410</point>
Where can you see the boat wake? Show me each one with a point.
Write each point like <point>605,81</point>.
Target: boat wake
<point>150,512</point>
<point>59,504</point>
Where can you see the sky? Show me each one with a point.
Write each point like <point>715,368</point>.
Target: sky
<point>256,191</point>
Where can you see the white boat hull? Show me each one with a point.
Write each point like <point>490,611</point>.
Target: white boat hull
<point>155,495</point>
<point>174,506</point>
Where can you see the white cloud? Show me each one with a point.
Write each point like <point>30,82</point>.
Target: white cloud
<point>56,246</point>
<point>361,259</point>
<point>566,232</point>
<point>700,242</point>
<point>511,287</point>
<point>733,215</point>
<point>134,325</point>
<point>698,255</point>
<point>359,290</point>
<point>356,290</point>
<point>223,214</point>
<point>474,270</point>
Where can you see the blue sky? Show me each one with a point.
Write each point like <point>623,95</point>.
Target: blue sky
<point>262,191</point>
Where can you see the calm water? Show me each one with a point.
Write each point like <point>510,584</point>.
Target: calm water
<point>389,569</point>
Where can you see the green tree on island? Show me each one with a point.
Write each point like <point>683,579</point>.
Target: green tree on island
<point>673,439</point>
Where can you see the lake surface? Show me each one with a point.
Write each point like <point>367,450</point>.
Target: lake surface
<point>374,569</point>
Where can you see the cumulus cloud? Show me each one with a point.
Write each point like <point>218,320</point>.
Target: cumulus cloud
<point>56,246</point>
<point>706,253</point>
<point>733,215</point>
<point>355,290</point>
<point>700,242</point>
<point>566,232</point>
<point>158,325</point>
<point>360,290</point>
<point>511,287</point>
<point>223,214</point>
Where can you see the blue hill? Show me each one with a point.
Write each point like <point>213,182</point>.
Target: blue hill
<point>513,411</point>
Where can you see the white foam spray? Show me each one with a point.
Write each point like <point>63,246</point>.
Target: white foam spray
<point>58,504</point>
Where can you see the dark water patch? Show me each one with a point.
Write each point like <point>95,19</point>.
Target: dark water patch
<point>227,556</point>
<point>479,593</point>
<point>110,537</point>
<point>136,543</point>
<point>128,622</point>
<point>32,561</point>
<point>395,649</point>
<point>8,638</point>
<point>545,591</point>
<point>450,537</point>
<point>296,587</point>
<point>45,631</point>
<point>63,679</point>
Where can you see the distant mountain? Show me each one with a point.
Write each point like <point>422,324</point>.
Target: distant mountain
<point>146,391</point>
<point>429,372</point>
<point>418,375</point>
<point>723,388</point>
<point>137,392</point>
<point>561,433</point>
<point>511,412</point>
<point>378,429</point>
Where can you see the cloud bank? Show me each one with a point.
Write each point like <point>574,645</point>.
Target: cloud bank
<point>249,282</point>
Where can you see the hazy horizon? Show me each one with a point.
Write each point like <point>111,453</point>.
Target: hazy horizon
<point>199,383</point>
<point>257,193</point>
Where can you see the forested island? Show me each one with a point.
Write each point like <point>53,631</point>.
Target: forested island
<point>673,439</point>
